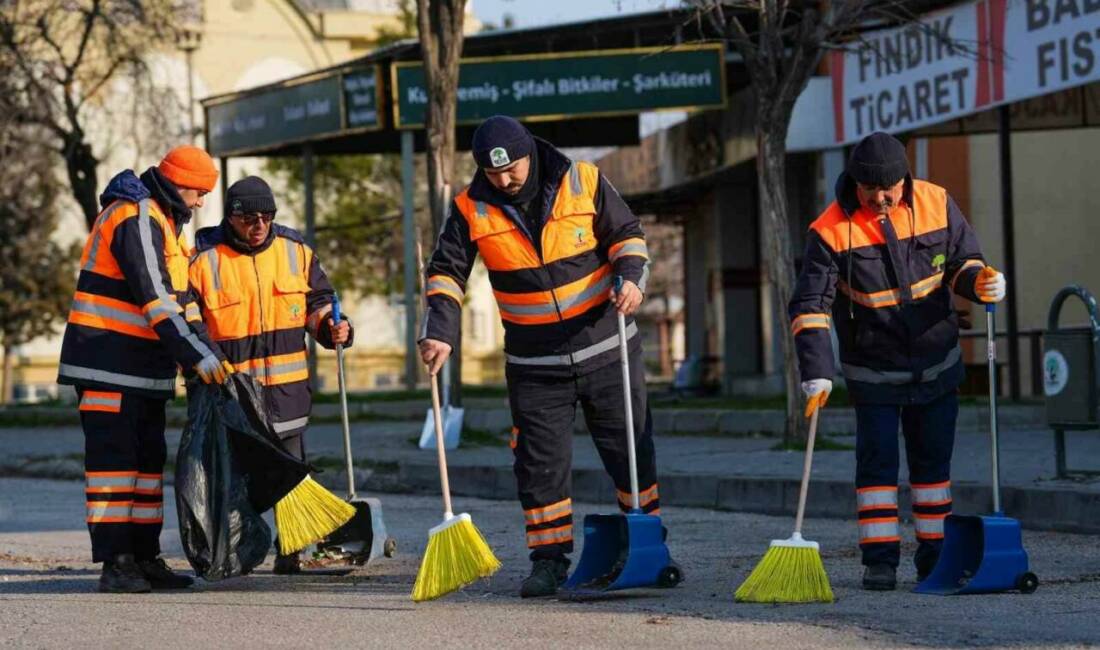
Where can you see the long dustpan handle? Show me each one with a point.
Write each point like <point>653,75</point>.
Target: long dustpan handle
<point>806,464</point>
<point>624,361</point>
<point>343,401</point>
<point>991,354</point>
<point>437,412</point>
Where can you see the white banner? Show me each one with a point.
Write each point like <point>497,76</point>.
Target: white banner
<point>962,60</point>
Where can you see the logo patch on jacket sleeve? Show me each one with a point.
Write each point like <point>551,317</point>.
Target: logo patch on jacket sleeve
<point>499,157</point>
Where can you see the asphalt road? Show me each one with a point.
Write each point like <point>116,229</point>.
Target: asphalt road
<point>48,598</point>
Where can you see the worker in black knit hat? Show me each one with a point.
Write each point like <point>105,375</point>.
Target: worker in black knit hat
<point>882,266</point>
<point>553,233</point>
<point>260,288</point>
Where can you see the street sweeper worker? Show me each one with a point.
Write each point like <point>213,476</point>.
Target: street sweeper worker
<point>553,234</point>
<point>132,322</point>
<point>260,288</point>
<point>881,266</point>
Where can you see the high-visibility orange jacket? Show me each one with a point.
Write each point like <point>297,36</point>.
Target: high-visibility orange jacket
<point>132,319</point>
<point>258,304</point>
<point>892,280</point>
<point>551,287</point>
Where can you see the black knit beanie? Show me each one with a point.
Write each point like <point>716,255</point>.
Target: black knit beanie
<point>879,159</point>
<point>500,141</point>
<point>250,194</point>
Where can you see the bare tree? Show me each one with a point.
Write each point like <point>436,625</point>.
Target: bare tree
<point>440,25</point>
<point>782,43</point>
<point>65,60</point>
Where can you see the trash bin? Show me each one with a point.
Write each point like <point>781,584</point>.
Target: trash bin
<point>1071,372</point>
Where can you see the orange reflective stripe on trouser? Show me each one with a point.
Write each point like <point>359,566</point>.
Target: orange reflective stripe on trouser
<point>879,529</point>
<point>109,512</point>
<point>149,484</point>
<point>277,369</point>
<point>103,401</point>
<point>558,535</point>
<point>931,494</point>
<point>109,314</point>
<point>929,526</point>
<point>109,482</point>
<point>809,321</point>
<point>146,513</point>
<point>877,498</point>
<point>563,508</point>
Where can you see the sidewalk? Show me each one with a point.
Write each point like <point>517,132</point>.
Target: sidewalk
<point>725,472</point>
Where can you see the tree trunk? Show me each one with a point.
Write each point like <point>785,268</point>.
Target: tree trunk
<point>776,236</point>
<point>6,387</point>
<point>80,166</point>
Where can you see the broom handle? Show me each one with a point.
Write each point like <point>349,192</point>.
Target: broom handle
<point>438,418</point>
<point>635,502</point>
<point>991,355</point>
<point>343,402</point>
<point>805,489</point>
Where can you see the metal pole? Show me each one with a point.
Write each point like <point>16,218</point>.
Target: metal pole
<point>991,354</point>
<point>1004,139</point>
<point>408,223</point>
<point>624,354</point>
<point>311,240</point>
<point>191,132</point>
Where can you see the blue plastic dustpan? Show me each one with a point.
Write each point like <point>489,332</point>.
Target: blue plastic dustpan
<point>981,554</point>
<point>623,552</point>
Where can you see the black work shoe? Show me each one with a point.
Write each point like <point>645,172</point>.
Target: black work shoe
<point>121,575</point>
<point>158,574</point>
<point>286,565</point>
<point>880,577</point>
<point>546,576</point>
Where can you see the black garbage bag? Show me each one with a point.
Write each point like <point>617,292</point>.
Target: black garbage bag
<point>230,468</point>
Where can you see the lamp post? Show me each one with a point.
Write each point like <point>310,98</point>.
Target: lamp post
<point>190,38</point>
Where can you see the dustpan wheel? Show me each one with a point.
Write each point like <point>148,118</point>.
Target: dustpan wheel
<point>670,576</point>
<point>1027,582</point>
<point>390,547</point>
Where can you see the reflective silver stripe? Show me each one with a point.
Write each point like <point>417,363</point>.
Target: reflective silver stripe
<point>575,179</point>
<point>446,285</point>
<point>931,495</point>
<point>290,425</point>
<point>877,499</point>
<point>261,371</point>
<point>147,511</point>
<point>161,310</point>
<point>109,481</point>
<point>215,273</point>
<point>105,509</point>
<point>527,309</point>
<point>879,529</point>
<point>549,515</point>
<point>101,401</point>
<point>534,537</point>
<point>481,210</point>
<point>152,267</point>
<point>578,356</point>
<point>929,525</point>
<point>103,311</point>
<point>870,376</point>
<point>603,286</point>
<point>292,255</point>
<point>93,252</point>
<point>118,379</point>
<point>631,249</point>
<point>149,483</point>
<point>192,311</point>
<point>314,320</point>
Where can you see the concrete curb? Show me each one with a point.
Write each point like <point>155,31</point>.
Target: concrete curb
<point>1036,507</point>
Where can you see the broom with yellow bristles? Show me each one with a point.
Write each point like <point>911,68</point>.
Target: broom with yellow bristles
<point>791,571</point>
<point>457,553</point>
<point>308,514</point>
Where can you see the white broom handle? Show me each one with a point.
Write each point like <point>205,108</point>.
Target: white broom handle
<point>631,454</point>
<point>806,464</point>
<point>443,481</point>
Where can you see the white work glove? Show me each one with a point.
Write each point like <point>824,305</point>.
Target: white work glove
<point>990,285</point>
<point>212,371</point>
<point>816,392</point>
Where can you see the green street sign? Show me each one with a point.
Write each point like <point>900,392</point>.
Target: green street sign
<point>304,109</point>
<point>555,86</point>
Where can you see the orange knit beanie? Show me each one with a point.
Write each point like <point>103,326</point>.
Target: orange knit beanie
<point>190,167</point>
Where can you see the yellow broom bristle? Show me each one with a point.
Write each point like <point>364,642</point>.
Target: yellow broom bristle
<point>787,574</point>
<point>457,555</point>
<point>308,514</point>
